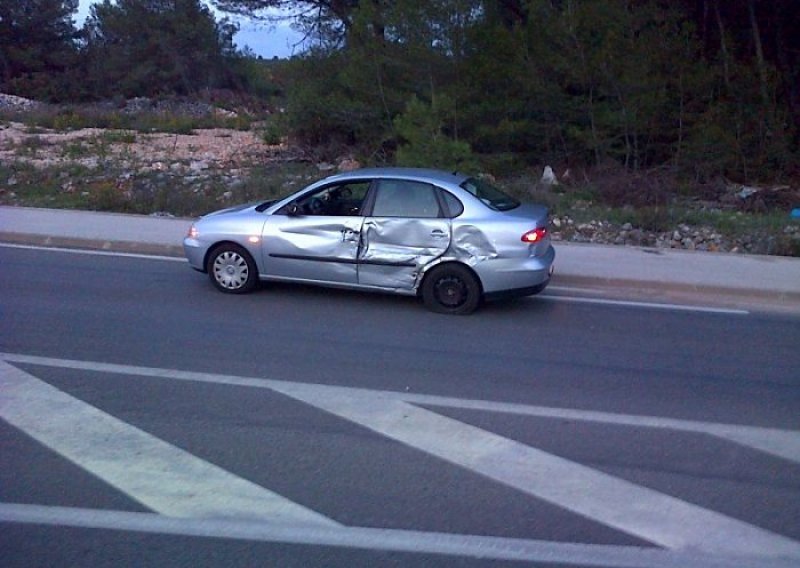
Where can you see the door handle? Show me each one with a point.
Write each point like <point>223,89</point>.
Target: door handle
<point>438,234</point>
<point>349,235</point>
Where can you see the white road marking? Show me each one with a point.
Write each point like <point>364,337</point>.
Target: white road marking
<point>645,513</point>
<point>649,305</point>
<point>483,547</point>
<point>781,443</point>
<point>636,510</point>
<point>157,474</point>
<point>92,252</point>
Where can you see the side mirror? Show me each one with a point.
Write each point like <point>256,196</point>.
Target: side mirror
<point>293,210</point>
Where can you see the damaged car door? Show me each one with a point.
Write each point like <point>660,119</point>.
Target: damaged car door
<point>404,231</point>
<point>316,237</point>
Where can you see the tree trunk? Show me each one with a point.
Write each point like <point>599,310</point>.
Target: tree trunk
<point>762,66</point>
<point>723,46</point>
<point>788,65</point>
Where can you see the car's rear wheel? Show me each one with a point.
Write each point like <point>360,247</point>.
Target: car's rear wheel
<point>232,269</point>
<point>451,289</point>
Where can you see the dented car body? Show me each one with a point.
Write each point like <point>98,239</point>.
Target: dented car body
<point>449,238</point>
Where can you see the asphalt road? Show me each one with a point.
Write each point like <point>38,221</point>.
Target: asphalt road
<point>646,436</point>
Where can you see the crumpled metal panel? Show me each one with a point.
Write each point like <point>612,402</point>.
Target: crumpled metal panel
<point>404,241</point>
<point>394,250</point>
<point>396,278</point>
<point>323,241</point>
<point>312,248</point>
<point>471,245</point>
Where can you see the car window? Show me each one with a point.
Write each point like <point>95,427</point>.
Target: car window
<point>454,206</point>
<point>338,200</point>
<point>489,195</point>
<point>403,198</point>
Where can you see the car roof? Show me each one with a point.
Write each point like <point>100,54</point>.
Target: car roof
<point>426,174</point>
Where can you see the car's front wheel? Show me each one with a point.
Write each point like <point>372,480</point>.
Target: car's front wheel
<point>451,289</point>
<point>232,269</point>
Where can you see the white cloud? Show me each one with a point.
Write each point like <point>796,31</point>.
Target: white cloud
<point>268,41</point>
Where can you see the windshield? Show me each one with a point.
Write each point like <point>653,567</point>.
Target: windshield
<point>489,194</point>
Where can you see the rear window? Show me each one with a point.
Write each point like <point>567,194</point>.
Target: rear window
<point>489,194</point>
<point>403,198</point>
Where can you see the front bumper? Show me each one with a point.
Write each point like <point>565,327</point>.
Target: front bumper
<point>195,253</point>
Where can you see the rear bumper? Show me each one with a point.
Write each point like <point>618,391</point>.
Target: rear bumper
<point>516,293</point>
<point>501,276</point>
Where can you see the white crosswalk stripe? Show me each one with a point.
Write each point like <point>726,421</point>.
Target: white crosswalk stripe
<point>666,521</point>
<point>645,513</point>
<point>166,479</point>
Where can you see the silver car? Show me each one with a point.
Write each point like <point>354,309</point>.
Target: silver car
<point>451,239</point>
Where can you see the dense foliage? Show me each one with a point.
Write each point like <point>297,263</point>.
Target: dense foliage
<point>126,48</point>
<point>38,49</point>
<point>155,47</point>
<point>703,88</point>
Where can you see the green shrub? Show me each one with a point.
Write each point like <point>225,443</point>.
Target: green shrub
<point>105,195</point>
<point>74,150</point>
<point>274,131</point>
<point>656,219</point>
<point>424,142</point>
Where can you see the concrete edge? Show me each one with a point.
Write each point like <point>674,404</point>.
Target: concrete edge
<point>731,293</point>
<point>151,249</point>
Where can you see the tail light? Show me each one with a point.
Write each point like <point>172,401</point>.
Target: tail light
<point>534,236</point>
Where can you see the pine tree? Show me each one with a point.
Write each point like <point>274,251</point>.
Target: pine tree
<point>37,46</point>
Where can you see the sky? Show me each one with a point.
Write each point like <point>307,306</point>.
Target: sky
<point>266,40</point>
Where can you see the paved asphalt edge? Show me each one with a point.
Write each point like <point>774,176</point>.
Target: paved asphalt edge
<point>621,287</point>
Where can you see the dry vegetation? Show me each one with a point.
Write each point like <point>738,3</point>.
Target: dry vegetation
<point>181,166</point>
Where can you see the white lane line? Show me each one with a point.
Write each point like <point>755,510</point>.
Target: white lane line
<point>645,513</point>
<point>92,252</point>
<point>483,547</point>
<point>781,443</point>
<point>649,305</point>
<point>157,474</point>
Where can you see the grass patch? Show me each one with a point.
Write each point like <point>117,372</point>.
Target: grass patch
<point>733,223</point>
<point>118,137</point>
<point>75,150</point>
<point>50,187</point>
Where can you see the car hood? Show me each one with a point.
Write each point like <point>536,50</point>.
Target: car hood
<point>234,209</point>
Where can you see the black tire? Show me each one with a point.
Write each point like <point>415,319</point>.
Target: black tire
<point>232,270</point>
<point>451,289</point>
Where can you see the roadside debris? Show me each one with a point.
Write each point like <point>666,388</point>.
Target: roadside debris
<point>755,198</point>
